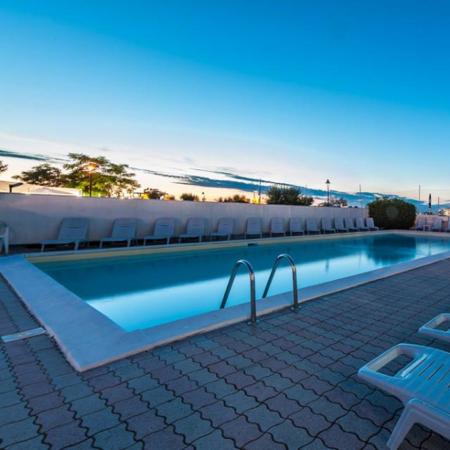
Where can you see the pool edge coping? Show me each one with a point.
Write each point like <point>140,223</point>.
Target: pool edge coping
<point>102,341</point>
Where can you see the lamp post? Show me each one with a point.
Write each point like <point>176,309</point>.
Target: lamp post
<point>328,191</point>
<point>90,168</point>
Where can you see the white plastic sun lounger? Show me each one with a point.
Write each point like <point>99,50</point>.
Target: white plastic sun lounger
<point>339,225</point>
<point>312,226</point>
<point>123,230</point>
<point>254,227</point>
<point>431,328</point>
<point>371,224</point>
<point>437,224</point>
<point>225,228</point>
<point>422,385</point>
<point>327,225</point>
<point>349,223</point>
<point>195,229</point>
<point>277,226</point>
<point>420,224</point>
<point>72,231</point>
<point>4,238</point>
<point>360,225</point>
<point>296,226</point>
<point>164,229</point>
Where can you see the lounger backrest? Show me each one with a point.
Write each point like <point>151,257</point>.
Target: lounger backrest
<point>327,224</point>
<point>311,225</point>
<point>370,223</point>
<point>437,223</point>
<point>420,222</point>
<point>277,225</point>
<point>360,222</point>
<point>124,228</point>
<point>164,227</point>
<point>195,226</point>
<point>3,229</point>
<point>448,224</point>
<point>339,223</point>
<point>349,222</point>
<point>296,225</point>
<point>254,225</point>
<point>225,226</point>
<point>73,229</point>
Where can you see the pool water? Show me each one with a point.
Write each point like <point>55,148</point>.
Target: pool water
<point>143,291</point>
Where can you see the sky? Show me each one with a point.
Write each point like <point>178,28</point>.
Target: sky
<point>290,91</point>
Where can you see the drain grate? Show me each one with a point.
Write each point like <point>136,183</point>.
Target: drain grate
<point>23,335</point>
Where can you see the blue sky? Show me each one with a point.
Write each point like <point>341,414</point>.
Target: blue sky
<point>294,91</point>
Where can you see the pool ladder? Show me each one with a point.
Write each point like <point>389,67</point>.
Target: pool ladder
<point>251,273</point>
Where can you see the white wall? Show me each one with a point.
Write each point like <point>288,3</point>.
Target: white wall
<point>33,218</point>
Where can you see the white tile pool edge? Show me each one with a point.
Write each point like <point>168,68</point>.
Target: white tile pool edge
<point>89,339</point>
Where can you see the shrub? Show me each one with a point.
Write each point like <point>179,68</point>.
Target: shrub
<point>188,197</point>
<point>287,196</point>
<point>392,213</point>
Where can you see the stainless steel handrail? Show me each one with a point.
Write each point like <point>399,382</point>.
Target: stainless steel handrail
<point>251,272</point>
<point>295,303</point>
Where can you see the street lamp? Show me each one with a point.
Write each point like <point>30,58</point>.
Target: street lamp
<point>328,191</point>
<point>91,168</point>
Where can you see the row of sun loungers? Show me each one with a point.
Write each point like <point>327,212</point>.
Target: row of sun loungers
<point>73,231</point>
<point>437,224</point>
<point>423,385</point>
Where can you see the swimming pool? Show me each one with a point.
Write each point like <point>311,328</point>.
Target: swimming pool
<point>147,290</point>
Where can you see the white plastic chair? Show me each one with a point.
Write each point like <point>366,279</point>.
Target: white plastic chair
<point>350,224</point>
<point>339,225</point>
<point>371,224</point>
<point>73,230</point>
<point>422,385</point>
<point>4,238</point>
<point>164,229</point>
<point>123,230</point>
<point>431,328</point>
<point>312,226</point>
<point>254,227</point>
<point>277,226</point>
<point>195,229</point>
<point>436,224</point>
<point>360,225</point>
<point>296,226</point>
<point>327,225</point>
<point>420,223</point>
<point>225,228</point>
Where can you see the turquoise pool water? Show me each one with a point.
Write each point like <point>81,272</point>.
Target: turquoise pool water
<point>143,291</point>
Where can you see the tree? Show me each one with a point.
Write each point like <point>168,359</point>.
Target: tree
<point>287,196</point>
<point>42,174</point>
<point>108,179</point>
<point>337,202</point>
<point>189,197</point>
<point>235,199</point>
<point>153,194</point>
<point>3,167</point>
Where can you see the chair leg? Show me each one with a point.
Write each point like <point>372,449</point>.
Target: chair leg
<point>402,427</point>
<point>42,247</point>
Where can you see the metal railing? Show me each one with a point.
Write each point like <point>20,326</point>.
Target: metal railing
<point>295,303</point>
<point>251,272</point>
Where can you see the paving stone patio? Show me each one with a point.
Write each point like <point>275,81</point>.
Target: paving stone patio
<point>288,382</point>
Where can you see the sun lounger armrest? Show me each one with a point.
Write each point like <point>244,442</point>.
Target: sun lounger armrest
<point>370,372</point>
<point>430,328</point>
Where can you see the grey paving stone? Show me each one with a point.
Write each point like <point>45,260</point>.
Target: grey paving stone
<point>174,410</point>
<point>34,444</point>
<point>54,417</point>
<point>116,438</point>
<point>313,423</point>
<point>263,417</point>
<point>218,413</point>
<point>241,431</point>
<point>291,436</point>
<point>264,442</point>
<point>214,441</point>
<point>144,424</point>
<point>87,405</point>
<point>240,401</point>
<point>337,438</point>
<point>99,421</point>
<point>165,439</point>
<point>192,427</point>
<point>65,435</point>
<point>13,413</point>
<point>16,432</point>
